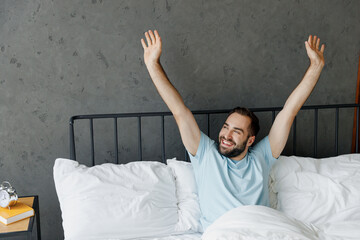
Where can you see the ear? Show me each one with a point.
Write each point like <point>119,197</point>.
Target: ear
<point>250,141</point>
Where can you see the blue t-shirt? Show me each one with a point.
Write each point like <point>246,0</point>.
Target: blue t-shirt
<point>224,184</point>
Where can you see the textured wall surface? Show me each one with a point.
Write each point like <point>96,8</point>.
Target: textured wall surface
<point>61,58</point>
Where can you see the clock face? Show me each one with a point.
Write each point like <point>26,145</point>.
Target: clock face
<point>4,198</point>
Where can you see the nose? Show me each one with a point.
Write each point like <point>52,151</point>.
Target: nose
<point>228,135</point>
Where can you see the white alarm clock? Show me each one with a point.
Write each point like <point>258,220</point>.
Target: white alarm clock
<point>8,195</point>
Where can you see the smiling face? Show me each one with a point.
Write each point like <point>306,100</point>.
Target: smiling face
<point>234,137</point>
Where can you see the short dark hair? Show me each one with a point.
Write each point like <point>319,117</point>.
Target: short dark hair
<point>254,125</point>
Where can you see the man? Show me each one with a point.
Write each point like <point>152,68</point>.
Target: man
<point>232,173</point>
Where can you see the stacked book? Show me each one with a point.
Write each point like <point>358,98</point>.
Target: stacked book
<point>16,213</point>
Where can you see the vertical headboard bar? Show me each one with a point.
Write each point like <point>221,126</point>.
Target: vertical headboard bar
<point>92,142</point>
<point>294,136</point>
<point>315,130</point>
<point>208,124</point>
<point>163,138</point>
<point>72,139</point>
<point>357,130</point>
<point>273,116</point>
<point>337,131</point>
<point>116,140</point>
<point>139,138</point>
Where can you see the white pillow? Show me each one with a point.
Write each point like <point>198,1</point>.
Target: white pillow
<point>112,201</point>
<point>258,222</point>
<point>187,195</point>
<point>313,190</point>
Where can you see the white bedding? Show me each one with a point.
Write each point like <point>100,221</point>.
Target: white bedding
<point>258,222</point>
<point>190,236</point>
<point>314,190</point>
<point>342,225</point>
<point>324,192</point>
<point>313,198</point>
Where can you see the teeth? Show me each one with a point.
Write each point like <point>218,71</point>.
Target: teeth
<point>226,142</point>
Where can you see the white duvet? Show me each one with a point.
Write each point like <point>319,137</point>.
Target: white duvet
<point>190,236</point>
<point>258,222</point>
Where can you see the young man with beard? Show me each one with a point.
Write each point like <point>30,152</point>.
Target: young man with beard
<point>232,173</point>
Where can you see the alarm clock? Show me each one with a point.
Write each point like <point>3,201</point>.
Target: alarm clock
<point>8,195</point>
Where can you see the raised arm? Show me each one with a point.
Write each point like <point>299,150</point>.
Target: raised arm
<point>280,130</point>
<point>189,130</point>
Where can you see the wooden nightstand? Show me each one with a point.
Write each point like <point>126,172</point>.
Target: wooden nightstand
<point>25,226</point>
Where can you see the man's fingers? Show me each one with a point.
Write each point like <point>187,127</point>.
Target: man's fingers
<point>143,43</point>
<point>322,48</point>
<point>307,46</point>
<point>152,37</point>
<point>314,41</point>
<point>157,36</point>
<point>310,40</point>
<point>317,44</point>
<point>148,39</point>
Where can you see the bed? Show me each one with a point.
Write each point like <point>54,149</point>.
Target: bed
<point>314,191</point>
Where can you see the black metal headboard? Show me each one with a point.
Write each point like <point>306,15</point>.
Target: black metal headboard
<point>139,116</point>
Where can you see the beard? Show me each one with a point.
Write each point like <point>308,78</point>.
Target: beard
<point>236,151</point>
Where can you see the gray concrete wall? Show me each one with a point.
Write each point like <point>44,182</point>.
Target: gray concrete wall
<point>60,58</point>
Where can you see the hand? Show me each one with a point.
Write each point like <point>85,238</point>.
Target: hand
<point>315,55</point>
<point>152,50</point>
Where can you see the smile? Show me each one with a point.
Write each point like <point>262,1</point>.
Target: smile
<point>226,143</point>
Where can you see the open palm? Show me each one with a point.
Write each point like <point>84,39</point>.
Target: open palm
<point>315,54</point>
<point>152,50</point>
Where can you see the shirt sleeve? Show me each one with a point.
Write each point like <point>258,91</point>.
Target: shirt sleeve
<point>205,143</point>
<point>264,148</point>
